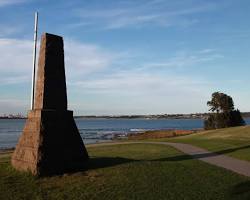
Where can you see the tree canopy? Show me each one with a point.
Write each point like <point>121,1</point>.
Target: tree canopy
<point>225,115</point>
<point>221,102</point>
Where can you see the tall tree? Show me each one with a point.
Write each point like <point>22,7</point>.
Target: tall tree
<point>221,103</point>
<point>225,115</point>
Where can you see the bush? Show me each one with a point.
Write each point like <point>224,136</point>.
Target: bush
<point>224,120</point>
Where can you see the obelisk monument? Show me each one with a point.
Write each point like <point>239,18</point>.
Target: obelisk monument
<point>50,143</point>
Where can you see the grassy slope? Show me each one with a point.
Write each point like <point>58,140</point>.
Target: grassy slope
<point>131,171</point>
<point>231,141</point>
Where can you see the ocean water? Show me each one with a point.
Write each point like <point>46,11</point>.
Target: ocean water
<point>100,130</point>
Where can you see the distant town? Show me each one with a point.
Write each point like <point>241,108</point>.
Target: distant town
<point>159,116</point>
<point>12,116</point>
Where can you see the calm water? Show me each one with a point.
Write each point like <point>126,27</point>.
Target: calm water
<point>99,130</point>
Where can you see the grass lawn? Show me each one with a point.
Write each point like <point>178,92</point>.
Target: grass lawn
<point>129,171</point>
<point>234,141</point>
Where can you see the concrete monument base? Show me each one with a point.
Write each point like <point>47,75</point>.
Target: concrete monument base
<point>50,144</point>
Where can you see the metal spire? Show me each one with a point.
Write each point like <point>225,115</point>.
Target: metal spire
<point>34,62</point>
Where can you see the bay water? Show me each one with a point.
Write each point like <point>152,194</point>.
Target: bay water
<point>94,130</point>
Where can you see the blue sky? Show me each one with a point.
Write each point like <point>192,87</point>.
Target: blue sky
<point>131,56</point>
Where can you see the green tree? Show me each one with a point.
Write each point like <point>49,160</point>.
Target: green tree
<point>225,115</point>
<point>221,102</point>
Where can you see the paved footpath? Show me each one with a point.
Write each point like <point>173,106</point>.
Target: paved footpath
<point>239,166</point>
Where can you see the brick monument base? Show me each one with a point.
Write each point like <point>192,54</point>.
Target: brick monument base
<point>50,144</point>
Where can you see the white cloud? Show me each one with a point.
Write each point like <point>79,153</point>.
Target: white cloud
<point>14,80</point>
<point>148,88</point>
<point>124,84</point>
<point>140,83</point>
<point>16,66</point>
<point>136,14</point>
<point>16,57</point>
<point>206,51</point>
<point>7,31</point>
<point>13,106</point>
<point>186,59</point>
<point>131,92</point>
<point>82,59</point>
<point>10,2</point>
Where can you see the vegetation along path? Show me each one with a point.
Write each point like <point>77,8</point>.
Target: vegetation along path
<point>239,166</point>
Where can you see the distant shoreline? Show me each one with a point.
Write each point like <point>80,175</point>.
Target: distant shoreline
<point>157,116</point>
<point>142,117</point>
<point>160,116</point>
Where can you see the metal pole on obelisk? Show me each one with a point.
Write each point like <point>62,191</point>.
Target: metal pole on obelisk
<point>34,63</point>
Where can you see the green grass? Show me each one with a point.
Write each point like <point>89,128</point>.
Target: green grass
<point>129,171</point>
<point>234,141</point>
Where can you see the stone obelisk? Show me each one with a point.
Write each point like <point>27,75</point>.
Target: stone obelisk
<point>50,143</point>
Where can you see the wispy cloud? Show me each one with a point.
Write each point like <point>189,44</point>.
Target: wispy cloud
<point>142,87</point>
<point>14,80</point>
<point>16,56</point>
<point>186,59</point>
<point>81,59</point>
<point>84,61</point>
<point>10,2</point>
<point>137,14</point>
<point>137,84</point>
<point>13,106</point>
<point>7,31</point>
<point>142,93</point>
<point>16,67</point>
<point>142,79</point>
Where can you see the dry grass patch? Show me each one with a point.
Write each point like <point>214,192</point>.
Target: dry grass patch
<point>160,134</point>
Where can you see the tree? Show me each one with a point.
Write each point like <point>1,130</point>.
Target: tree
<point>225,115</point>
<point>221,102</point>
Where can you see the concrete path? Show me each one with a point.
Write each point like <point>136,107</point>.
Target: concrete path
<point>239,166</point>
